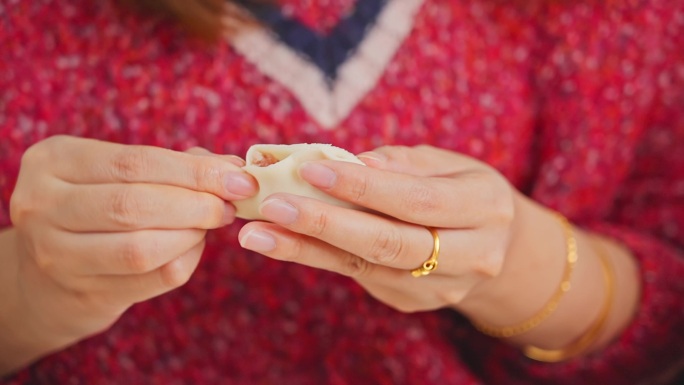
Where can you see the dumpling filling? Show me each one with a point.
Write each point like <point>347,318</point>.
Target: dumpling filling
<point>263,159</point>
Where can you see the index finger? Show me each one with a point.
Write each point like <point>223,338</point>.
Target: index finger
<point>100,162</point>
<point>465,200</point>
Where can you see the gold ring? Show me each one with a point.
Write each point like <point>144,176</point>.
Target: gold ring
<point>431,264</point>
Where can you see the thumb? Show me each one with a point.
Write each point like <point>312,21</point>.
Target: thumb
<point>421,160</point>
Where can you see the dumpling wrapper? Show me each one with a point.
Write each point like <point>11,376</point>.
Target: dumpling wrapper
<point>274,166</point>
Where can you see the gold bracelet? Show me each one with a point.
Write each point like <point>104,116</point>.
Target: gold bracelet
<point>552,304</point>
<point>592,334</point>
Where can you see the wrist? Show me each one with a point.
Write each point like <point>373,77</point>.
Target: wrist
<point>18,337</point>
<point>603,295</point>
<point>512,330</point>
<point>526,302</point>
<point>533,267</point>
<point>28,331</point>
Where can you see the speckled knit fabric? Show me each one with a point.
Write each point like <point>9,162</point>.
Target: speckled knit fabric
<point>579,103</point>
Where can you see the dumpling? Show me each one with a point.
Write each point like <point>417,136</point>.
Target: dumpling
<point>274,166</point>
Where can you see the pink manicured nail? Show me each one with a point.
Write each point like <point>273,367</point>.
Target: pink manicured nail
<point>373,159</point>
<point>236,160</point>
<point>258,241</point>
<point>318,175</point>
<point>240,184</point>
<point>279,211</point>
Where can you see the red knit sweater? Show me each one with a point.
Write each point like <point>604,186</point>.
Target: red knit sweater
<point>579,103</point>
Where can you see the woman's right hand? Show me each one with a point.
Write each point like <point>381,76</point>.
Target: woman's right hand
<point>100,226</point>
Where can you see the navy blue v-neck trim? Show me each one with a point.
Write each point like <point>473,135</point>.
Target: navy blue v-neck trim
<point>327,52</point>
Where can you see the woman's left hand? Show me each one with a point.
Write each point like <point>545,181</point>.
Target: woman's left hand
<point>469,203</point>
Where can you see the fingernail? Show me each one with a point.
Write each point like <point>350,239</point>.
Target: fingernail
<point>279,211</point>
<point>228,214</point>
<point>371,158</point>
<point>236,160</point>
<point>318,175</point>
<point>240,184</point>
<point>258,241</point>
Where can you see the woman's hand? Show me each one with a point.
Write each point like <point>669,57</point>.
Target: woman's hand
<point>501,256</point>
<point>471,205</point>
<point>101,226</point>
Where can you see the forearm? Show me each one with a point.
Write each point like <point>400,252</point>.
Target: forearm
<point>533,272</point>
<point>20,340</point>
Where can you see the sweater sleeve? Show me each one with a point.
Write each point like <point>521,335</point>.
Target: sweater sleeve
<point>627,179</point>
<point>648,217</point>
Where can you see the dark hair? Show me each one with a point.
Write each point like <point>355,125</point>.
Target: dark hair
<point>202,18</point>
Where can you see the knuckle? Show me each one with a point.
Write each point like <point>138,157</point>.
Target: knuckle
<point>135,257</point>
<point>131,163</point>
<point>57,140</point>
<point>318,224</point>
<point>23,204</point>
<point>36,154</point>
<point>28,196</point>
<point>206,173</point>
<point>504,208</point>
<point>47,150</point>
<point>45,251</point>
<point>87,297</point>
<point>395,152</point>
<point>105,302</point>
<point>197,150</point>
<point>497,196</point>
<point>178,272</point>
<point>175,274</point>
<point>49,147</point>
<point>53,266</point>
<point>386,248</point>
<point>211,208</point>
<point>84,298</point>
<point>124,208</point>
<point>420,199</point>
<point>102,301</point>
<point>355,266</point>
<point>44,262</point>
<point>294,251</point>
<point>21,207</point>
<point>490,264</point>
<point>359,187</point>
<point>451,297</point>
